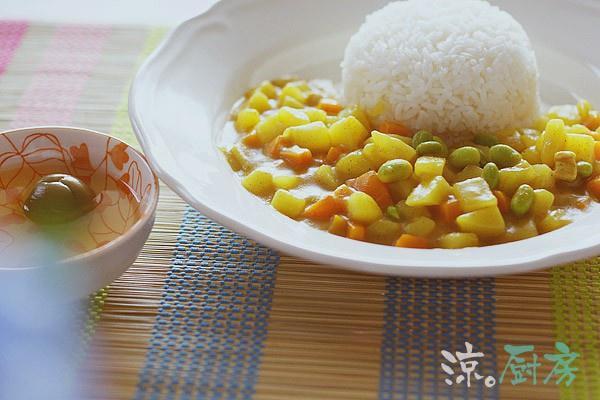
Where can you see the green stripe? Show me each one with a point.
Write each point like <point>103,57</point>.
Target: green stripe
<point>121,127</point>
<point>576,295</point>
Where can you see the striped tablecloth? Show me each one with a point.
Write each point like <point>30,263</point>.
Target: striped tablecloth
<point>207,314</point>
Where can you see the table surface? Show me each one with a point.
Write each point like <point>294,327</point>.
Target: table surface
<point>205,313</point>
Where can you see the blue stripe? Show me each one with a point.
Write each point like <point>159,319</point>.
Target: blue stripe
<point>422,318</point>
<point>212,321</point>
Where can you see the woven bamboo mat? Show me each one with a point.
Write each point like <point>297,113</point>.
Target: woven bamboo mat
<point>206,314</point>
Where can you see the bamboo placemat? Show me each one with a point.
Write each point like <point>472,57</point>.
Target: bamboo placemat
<point>206,314</point>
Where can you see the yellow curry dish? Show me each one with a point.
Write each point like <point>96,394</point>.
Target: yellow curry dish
<point>328,164</point>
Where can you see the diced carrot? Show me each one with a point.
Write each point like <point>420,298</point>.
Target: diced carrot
<point>342,191</point>
<point>330,106</point>
<point>597,150</point>
<point>370,184</point>
<point>297,158</point>
<point>333,154</point>
<point>356,231</point>
<point>325,208</point>
<point>592,121</point>
<point>503,203</point>
<point>412,242</point>
<point>338,225</point>
<point>395,128</point>
<point>448,211</point>
<point>593,186</point>
<point>252,140</point>
<point>273,148</point>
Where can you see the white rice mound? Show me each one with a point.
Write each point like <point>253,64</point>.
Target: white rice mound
<point>453,67</point>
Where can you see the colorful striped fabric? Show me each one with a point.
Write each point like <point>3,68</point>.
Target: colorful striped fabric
<point>207,314</point>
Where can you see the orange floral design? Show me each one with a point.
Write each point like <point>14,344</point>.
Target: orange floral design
<point>81,157</point>
<point>118,155</point>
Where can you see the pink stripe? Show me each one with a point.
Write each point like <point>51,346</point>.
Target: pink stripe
<point>55,88</point>
<point>11,34</point>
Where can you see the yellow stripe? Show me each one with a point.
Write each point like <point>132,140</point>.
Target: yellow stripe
<point>324,334</point>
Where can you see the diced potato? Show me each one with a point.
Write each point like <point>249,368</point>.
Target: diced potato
<point>552,141</point>
<point>565,166</point>
<point>326,178</point>
<point>554,220</point>
<point>529,137</point>
<point>374,157</point>
<point>581,145</point>
<point>268,89</point>
<point>357,113</point>
<point>338,225</point>
<point>474,194</point>
<point>292,117</point>
<point>269,128</point>
<point>577,128</point>
<point>392,148</point>
<point>259,183</point>
<point>428,167</point>
<point>486,222</point>
<point>313,136</point>
<point>469,172</point>
<point>247,119</point>
<point>287,181</point>
<point>238,160</point>
<point>408,213</point>
<point>531,155</point>
<point>292,90</point>
<point>420,226</point>
<point>259,101</point>
<point>519,231</point>
<point>544,177</point>
<point>542,202</point>
<point>430,193</point>
<point>513,177</point>
<point>315,114</point>
<point>352,165</point>
<point>402,189</point>
<point>331,119</point>
<point>363,209</point>
<point>383,231</point>
<point>348,132</point>
<point>288,204</point>
<point>288,101</point>
<point>458,240</point>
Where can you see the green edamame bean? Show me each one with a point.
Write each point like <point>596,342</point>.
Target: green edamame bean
<point>430,148</point>
<point>394,171</point>
<point>504,156</point>
<point>444,152</point>
<point>584,169</point>
<point>421,137</point>
<point>392,213</point>
<point>522,200</point>
<point>464,156</point>
<point>483,139</point>
<point>491,174</point>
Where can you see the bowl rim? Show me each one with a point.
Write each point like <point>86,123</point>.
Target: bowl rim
<point>111,245</point>
<point>494,268</point>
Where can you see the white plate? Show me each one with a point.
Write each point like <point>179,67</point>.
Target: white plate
<point>182,95</point>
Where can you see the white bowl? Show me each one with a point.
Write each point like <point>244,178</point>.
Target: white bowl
<point>181,97</point>
<point>93,156</point>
